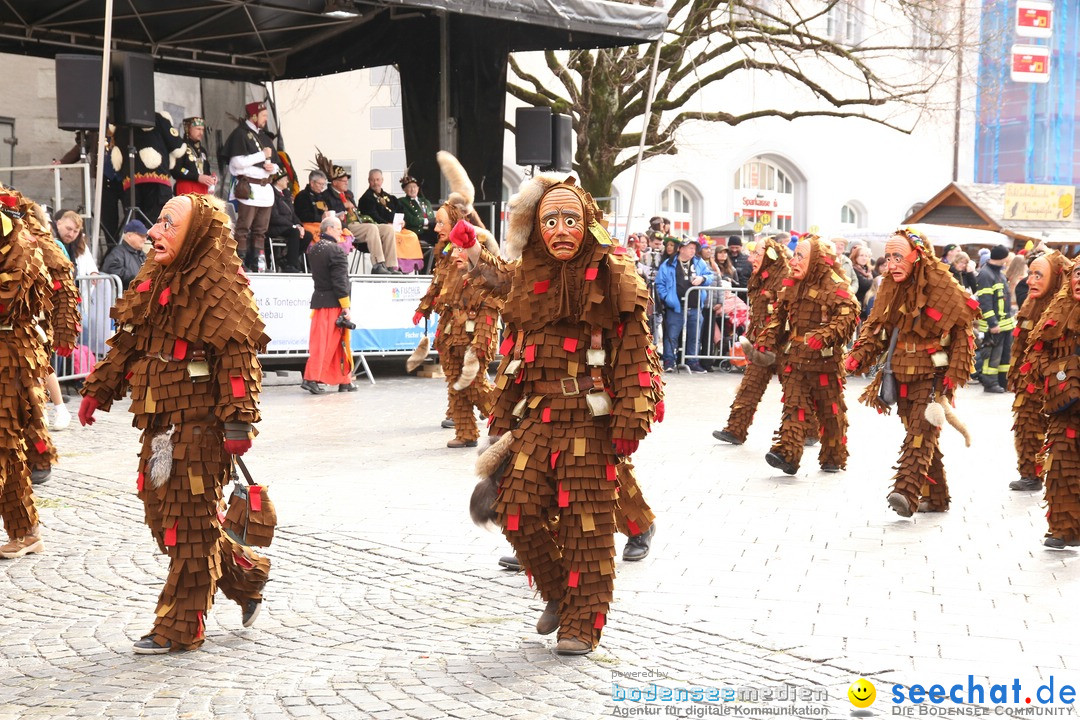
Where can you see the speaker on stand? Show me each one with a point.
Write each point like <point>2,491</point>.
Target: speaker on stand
<point>132,101</point>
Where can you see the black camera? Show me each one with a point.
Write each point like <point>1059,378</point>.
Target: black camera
<point>344,322</point>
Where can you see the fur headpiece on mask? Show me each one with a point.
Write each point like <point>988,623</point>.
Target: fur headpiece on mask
<point>521,225</point>
<point>459,203</point>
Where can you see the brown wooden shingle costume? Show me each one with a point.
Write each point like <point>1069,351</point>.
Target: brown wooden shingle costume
<point>1029,420</point>
<point>24,297</point>
<point>763,289</point>
<point>61,326</point>
<point>580,337</point>
<point>1054,345</point>
<point>187,350</point>
<point>932,317</point>
<point>814,317</point>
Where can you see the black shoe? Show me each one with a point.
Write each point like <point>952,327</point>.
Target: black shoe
<point>637,547</point>
<point>312,387</point>
<point>147,646</point>
<point>39,476</point>
<point>995,388</point>
<point>780,463</point>
<point>448,423</point>
<point>250,612</point>
<point>510,562</point>
<point>379,269</point>
<point>1026,483</point>
<point>395,271</point>
<point>290,269</point>
<point>830,468</point>
<point>810,441</point>
<point>726,437</point>
<point>1054,543</point>
<point>351,387</point>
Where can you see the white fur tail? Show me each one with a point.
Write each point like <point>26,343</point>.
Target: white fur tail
<point>160,465</point>
<point>419,354</point>
<point>469,370</point>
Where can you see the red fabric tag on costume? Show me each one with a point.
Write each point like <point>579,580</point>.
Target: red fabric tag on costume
<point>1016,331</point>
<point>140,482</point>
<point>488,320</point>
<point>787,282</point>
<point>170,535</point>
<point>835,409</point>
<point>787,368</point>
<point>764,275</point>
<point>828,259</point>
<point>644,378</point>
<point>1070,433</point>
<point>1038,346</point>
<point>507,346</point>
<point>599,622</point>
<point>545,415</point>
<point>541,287</point>
<point>823,380</point>
<point>930,480</point>
<point>554,458</point>
<point>41,447</point>
<point>802,415</point>
<point>933,313</point>
<point>163,298</point>
<point>143,286</point>
<point>242,561</point>
<point>255,498</point>
<point>564,496</point>
<point>632,527</point>
<point>56,284</point>
<point>199,632</point>
<point>843,293</point>
<point>619,250</point>
<point>179,350</point>
<point>591,273</point>
<point>128,374</point>
<point>512,521</point>
<point>973,303</point>
<point>569,344</point>
<point>530,353</point>
<point>903,390</point>
<point>1050,323</point>
<point>610,470</point>
<point>619,329</point>
<point>238,387</point>
<point>1025,367</point>
<point>572,580</point>
<point>843,440</point>
<point>8,200</point>
<point>1031,388</point>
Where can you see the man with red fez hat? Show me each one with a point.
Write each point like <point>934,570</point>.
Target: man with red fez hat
<point>250,152</point>
<point>187,344</point>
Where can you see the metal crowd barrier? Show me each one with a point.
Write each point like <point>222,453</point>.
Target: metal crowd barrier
<point>710,348</point>
<point>97,295</point>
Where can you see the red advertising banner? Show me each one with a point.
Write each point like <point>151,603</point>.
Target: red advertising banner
<point>1030,63</point>
<point>1034,18</point>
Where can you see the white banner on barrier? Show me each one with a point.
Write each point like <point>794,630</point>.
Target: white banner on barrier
<point>381,309</point>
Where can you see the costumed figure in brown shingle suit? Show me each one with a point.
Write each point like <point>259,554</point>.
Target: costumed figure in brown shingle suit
<point>458,329</point>
<point>769,261</point>
<point>189,334</point>
<point>24,297</point>
<point>815,315</point>
<point>578,390</point>
<point>1055,356</point>
<point>1046,274</point>
<point>61,327</point>
<point>922,321</point>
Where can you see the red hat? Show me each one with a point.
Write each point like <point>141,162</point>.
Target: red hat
<point>254,108</point>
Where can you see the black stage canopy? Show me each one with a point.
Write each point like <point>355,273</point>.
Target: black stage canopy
<point>452,55</point>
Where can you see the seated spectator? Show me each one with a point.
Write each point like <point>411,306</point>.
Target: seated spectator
<point>286,224</point>
<point>372,230</point>
<point>312,202</point>
<point>127,258</point>
<point>419,216</point>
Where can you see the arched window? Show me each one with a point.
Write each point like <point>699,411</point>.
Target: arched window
<point>853,214</point>
<point>765,193</point>
<point>681,203</point>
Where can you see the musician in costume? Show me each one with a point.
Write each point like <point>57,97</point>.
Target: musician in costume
<point>1047,272</point>
<point>24,298</point>
<point>250,151</point>
<point>815,316</point>
<point>1053,352</point>
<point>187,349</point>
<point>578,390</point>
<point>192,172</point>
<point>922,321</point>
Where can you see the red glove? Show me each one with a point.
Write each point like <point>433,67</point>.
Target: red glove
<point>237,447</point>
<point>626,448</point>
<point>851,364</point>
<point>417,316</point>
<point>463,235</point>
<point>64,350</point>
<point>814,342</point>
<point>660,411</point>
<point>87,409</point>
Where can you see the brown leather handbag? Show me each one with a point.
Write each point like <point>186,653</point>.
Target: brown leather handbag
<point>251,517</point>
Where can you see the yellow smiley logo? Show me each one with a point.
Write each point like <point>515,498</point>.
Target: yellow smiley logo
<point>862,693</point>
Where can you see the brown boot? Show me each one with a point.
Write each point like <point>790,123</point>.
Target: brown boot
<point>573,646</point>
<point>549,619</point>
<point>458,443</point>
<point>900,504</point>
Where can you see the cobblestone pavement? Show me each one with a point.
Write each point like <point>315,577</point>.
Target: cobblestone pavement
<point>385,601</point>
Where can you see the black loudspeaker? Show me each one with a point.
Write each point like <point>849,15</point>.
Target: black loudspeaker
<point>78,91</point>
<point>133,90</point>
<point>532,138</point>
<point>562,155</point>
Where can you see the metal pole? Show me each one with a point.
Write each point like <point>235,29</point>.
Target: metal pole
<point>959,85</point>
<point>644,130</point>
<point>102,127</point>
<point>447,128</point>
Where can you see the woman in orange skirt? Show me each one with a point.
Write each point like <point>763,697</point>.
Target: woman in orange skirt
<point>330,358</point>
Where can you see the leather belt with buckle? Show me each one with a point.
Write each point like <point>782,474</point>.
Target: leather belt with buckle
<point>567,387</point>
